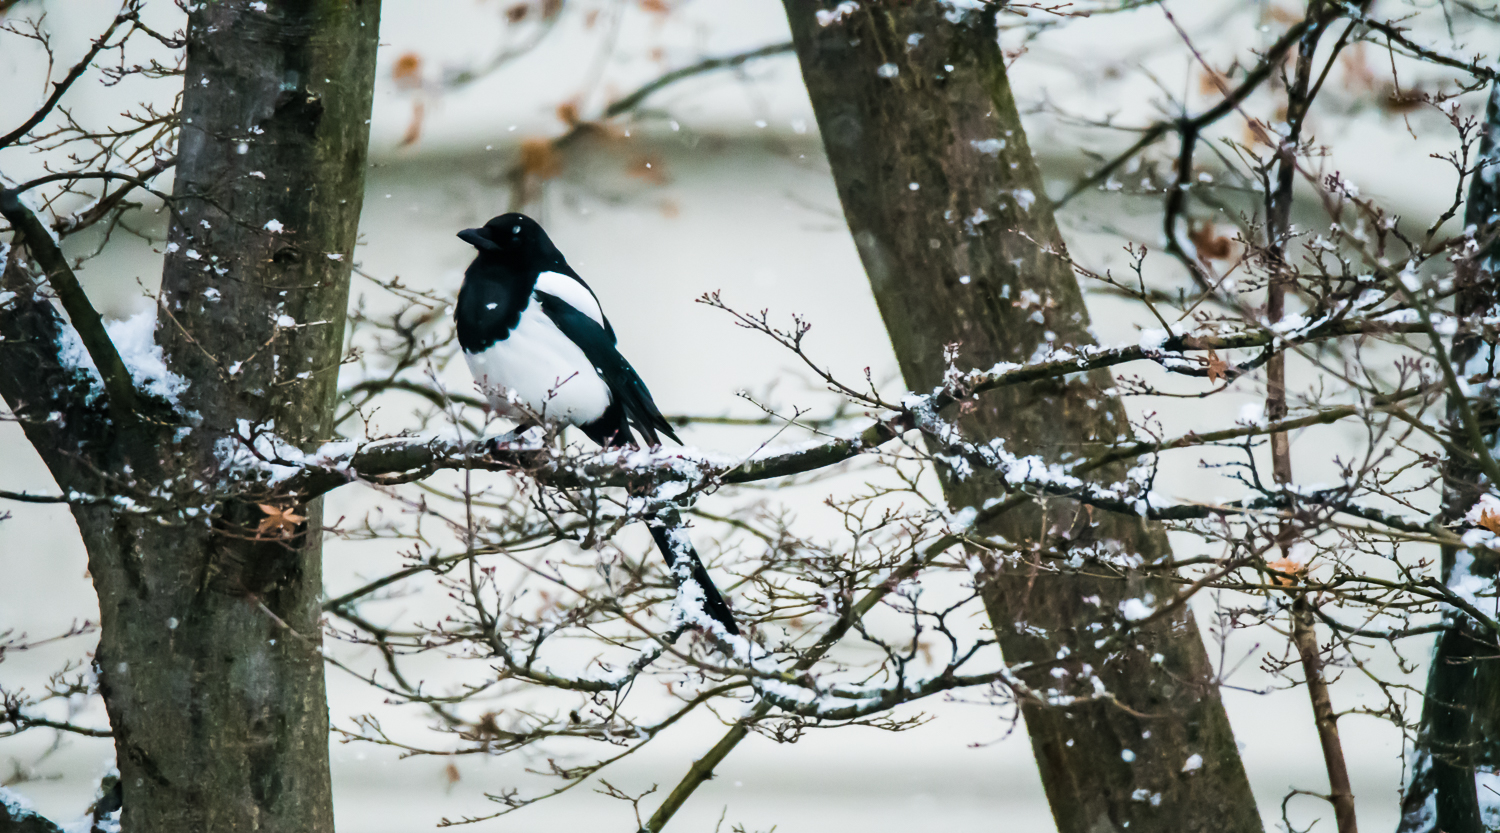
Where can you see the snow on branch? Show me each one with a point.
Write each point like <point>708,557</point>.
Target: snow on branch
<point>407,459</point>
<point>123,400</point>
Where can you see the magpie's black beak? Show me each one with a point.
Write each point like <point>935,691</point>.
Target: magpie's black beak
<point>474,237</point>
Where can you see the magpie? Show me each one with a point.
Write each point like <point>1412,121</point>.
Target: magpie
<point>539,346</point>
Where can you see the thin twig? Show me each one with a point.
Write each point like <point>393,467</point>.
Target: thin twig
<point>86,320</point>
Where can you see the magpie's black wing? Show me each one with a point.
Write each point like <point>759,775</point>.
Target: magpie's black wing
<point>630,394</point>
<point>598,344</point>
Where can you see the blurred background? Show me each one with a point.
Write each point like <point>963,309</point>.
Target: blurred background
<point>718,182</point>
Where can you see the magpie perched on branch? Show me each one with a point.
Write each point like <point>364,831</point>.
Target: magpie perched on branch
<point>539,345</point>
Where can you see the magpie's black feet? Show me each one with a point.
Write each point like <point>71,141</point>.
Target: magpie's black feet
<point>496,446</point>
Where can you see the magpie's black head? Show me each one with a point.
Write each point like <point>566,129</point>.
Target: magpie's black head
<point>515,239</point>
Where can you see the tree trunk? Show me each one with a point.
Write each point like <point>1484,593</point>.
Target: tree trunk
<point>210,653</point>
<point>946,206</point>
<point>1460,725</point>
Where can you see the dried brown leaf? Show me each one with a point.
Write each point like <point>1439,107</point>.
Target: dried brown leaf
<point>1212,82</point>
<point>1210,244</point>
<point>1397,101</point>
<point>1217,367</point>
<point>278,522</point>
<point>1255,133</point>
<point>407,71</point>
<point>1490,521</point>
<point>540,159</point>
<point>1285,565</point>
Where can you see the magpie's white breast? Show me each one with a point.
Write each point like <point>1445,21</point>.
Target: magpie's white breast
<point>536,365</point>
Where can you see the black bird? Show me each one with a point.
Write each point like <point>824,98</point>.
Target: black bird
<point>539,345</point>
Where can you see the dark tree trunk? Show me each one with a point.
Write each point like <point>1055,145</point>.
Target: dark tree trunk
<point>210,654</point>
<point>1460,724</point>
<point>946,206</point>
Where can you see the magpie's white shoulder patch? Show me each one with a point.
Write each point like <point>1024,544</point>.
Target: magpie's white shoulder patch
<point>574,294</point>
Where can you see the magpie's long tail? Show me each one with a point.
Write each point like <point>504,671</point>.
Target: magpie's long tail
<point>613,430</point>
<point>672,539</point>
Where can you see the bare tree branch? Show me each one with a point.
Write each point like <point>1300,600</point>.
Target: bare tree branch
<point>634,99</point>
<point>127,12</point>
<point>1253,79</point>
<point>118,386</point>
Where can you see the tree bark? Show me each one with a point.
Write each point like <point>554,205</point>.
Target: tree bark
<point>1459,730</point>
<point>946,206</point>
<point>210,651</point>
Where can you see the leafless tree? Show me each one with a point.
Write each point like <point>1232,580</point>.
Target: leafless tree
<point>1009,544</point>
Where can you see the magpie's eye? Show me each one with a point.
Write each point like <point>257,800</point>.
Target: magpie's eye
<point>516,230</point>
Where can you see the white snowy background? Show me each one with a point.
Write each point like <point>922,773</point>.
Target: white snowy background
<point>740,200</point>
